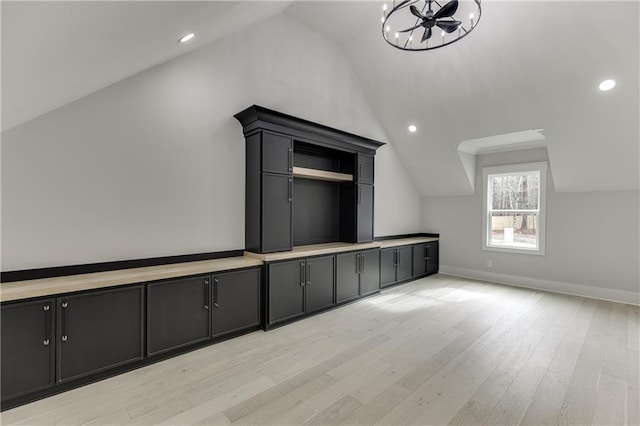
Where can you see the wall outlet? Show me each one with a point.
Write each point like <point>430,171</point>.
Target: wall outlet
<point>489,263</point>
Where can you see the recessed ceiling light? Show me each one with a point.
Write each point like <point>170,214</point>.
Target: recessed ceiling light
<point>607,85</point>
<point>412,128</point>
<point>186,38</point>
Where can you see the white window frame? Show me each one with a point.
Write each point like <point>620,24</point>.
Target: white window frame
<point>542,206</point>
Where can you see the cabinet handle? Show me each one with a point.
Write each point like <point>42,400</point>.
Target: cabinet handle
<point>215,293</point>
<point>290,162</point>
<point>308,272</point>
<point>63,320</point>
<point>362,260</point>
<point>359,170</point>
<point>207,293</point>
<point>302,274</point>
<point>359,195</point>
<point>47,324</point>
<point>358,263</point>
<point>398,251</point>
<point>290,190</point>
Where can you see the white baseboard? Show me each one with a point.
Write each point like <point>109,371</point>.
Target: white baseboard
<point>609,294</point>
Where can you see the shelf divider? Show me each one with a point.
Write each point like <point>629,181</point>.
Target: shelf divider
<point>303,172</point>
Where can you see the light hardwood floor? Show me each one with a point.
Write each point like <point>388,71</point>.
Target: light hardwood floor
<point>440,350</point>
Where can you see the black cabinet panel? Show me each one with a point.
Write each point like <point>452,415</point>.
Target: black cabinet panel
<point>236,301</point>
<point>433,257</point>
<point>99,330</point>
<point>364,206</point>
<point>347,276</point>
<point>319,283</point>
<point>365,169</point>
<point>277,153</point>
<point>286,290</point>
<point>370,272</point>
<point>404,261</point>
<point>28,341</point>
<point>387,266</point>
<point>277,193</point>
<point>178,313</point>
<point>419,260</point>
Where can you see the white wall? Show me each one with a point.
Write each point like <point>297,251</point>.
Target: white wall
<point>154,165</point>
<point>592,244</point>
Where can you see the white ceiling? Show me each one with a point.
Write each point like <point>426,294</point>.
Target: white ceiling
<point>528,65</point>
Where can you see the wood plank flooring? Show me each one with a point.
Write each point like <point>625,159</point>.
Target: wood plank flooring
<point>439,350</point>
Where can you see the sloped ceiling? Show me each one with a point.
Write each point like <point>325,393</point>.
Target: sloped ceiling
<point>528,65</point>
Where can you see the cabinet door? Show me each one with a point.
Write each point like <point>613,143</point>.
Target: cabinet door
<point>370,272</point>
<point>432,257</point>
<point>365,169</point>
<point>404,261</point>
<point>178,313</point>
<point>319,283</point>
<point>347,276</point>
<point>364,206</point>
<point>236,301</point>
<point>286,290</point>
<point>99,330</point>
<point>277,153</point>
<point>419,260</point>
<point>277,195</point>
<point>387,266</point>
<point>27,348</point>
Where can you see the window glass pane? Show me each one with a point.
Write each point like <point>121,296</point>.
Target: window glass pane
<point>515,192</point>
<point>514,230</point>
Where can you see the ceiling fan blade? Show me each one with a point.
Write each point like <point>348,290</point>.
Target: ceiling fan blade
<point>410,29</point>
<point>447,10</point>
<point>448,26</point>
<point>426,35</point>
<point>416,12</point>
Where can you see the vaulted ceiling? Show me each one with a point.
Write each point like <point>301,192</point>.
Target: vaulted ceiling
<point>528,65</point>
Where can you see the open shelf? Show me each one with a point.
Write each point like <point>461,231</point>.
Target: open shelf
<point>303,172</point>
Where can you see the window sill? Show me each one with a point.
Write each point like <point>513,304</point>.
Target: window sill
<point>515,250</point>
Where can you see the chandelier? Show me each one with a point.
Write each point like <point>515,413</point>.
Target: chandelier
<point>414,24</point>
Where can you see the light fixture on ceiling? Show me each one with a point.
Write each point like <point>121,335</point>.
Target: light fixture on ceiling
<point>607,85</point>
<point>412,22</point>
<point>185,38</point>
<point>412,128</point>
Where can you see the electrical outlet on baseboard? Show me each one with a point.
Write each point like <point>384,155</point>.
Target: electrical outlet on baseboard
<point>489,263</point>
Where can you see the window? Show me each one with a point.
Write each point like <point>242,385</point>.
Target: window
<point>514,208</point>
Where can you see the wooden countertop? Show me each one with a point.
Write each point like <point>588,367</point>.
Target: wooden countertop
<point>312,250</point>
<point>328,248</point>
<point>59,285</point>
<point>49,286</point>
<point>406,241</point>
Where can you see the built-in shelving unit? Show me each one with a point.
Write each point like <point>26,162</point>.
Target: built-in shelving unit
<point>303,172</point>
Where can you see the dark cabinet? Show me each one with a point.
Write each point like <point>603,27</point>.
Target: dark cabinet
<point>347,277</point>
<point>178,313</point>
<point>236,301</point>
<point>433,257</point>
<point>319,288</point>
<point>277,153</point>
<point>369,273</point>
<point>425,259</point>
<point>269,192</point>
<point>99,330</point>
<point>285,290</point>
<point>27,350</point>
<point>364,217</point>
<point>357,274</point>
<point>419,260</point>
<point>276,212</point>
<point>364,172</point>
<point>300,286</point>
<point>395,265</point>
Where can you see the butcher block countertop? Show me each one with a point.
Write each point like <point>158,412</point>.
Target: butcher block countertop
<point>19,290</point>
<point>49,286</point>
